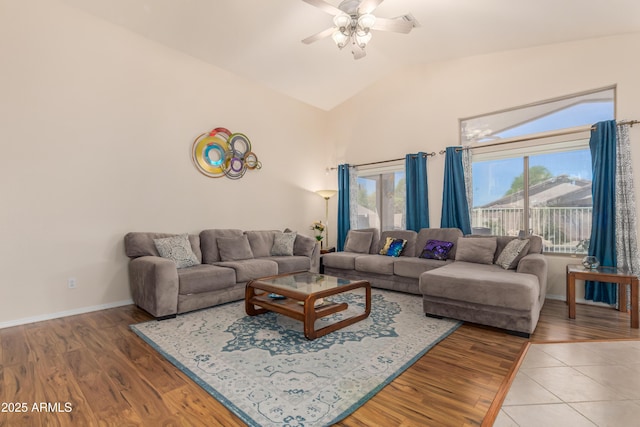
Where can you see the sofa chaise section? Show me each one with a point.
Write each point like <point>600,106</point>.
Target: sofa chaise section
<point>489,294</point>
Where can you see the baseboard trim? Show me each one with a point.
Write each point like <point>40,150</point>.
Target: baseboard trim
<point>579,301</point>
<point>34,319</point>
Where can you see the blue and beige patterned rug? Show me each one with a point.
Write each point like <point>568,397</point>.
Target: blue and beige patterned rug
<point>265,371</point>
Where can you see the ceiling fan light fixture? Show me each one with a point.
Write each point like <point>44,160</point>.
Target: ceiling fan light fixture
<point>363,39</point>
<point>366,22</point>
<point>340,39</point>
<point>354,22</point>
<point>342,21</point>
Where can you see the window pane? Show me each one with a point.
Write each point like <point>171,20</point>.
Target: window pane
<point>563,113</point>
<point>560,200</point>
<point>497,205</point>
<point>368,216</point>
<point>381,201</point>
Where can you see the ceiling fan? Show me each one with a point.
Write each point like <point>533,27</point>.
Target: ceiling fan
<point>353,22</point>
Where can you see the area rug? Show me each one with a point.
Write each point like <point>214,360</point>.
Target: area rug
<point>266,372</point>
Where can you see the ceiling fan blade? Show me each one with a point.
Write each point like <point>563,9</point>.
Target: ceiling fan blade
<point>321,4</point>
<point>322,34</point>
<point>397,25</point>
<point>368,6</point>
<point>357,51</point>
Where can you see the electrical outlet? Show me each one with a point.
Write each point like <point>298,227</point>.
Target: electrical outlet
<point>72,282</point>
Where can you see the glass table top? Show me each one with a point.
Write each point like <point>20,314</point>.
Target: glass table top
<point>307,282</point>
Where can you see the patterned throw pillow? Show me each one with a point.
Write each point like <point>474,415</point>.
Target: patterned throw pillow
<point>512,253</point>
<point>436,249</point>
<point>396,247</point>
<point>385,248</point>
<point>283,244</point>
<point>178,249</point>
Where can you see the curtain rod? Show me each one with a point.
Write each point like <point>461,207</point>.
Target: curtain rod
<point>545,135</point>
<point>386,161</point>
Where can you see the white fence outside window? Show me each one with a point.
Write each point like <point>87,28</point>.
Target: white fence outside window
<point>562,229</point>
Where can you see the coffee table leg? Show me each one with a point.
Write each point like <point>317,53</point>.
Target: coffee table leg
<point>310,318</point>
<point>249,308</point>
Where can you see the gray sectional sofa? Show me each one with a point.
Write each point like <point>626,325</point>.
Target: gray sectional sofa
<point>214,266</point>
<point>469,284</point>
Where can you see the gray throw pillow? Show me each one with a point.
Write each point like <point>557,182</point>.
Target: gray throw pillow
<point>234,248</point>
<point>476,249</point>
<point>283,244</point>
<point>304,245</point>
<point>513,253</point>
<point>178,249</point>
<point>358,241</point>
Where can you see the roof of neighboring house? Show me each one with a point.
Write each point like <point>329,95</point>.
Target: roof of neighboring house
<point>559,191</point>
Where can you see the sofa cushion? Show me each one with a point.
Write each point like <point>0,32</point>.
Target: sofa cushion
<point>234,248</point>
<point>413,267</point>
<point>209,244</point>
<point>535,243</point>
<point>488,285</point>
<point>380,264</point>
<point>137,244</point>
<point>476,250</point>
<point>408,235</point>
<point>249,269</point>
<point>304,245</point>
<point>512,253</point>
<point>358,241</point>
<point>442,234</point>
<point>343,260</point>
<point>261,242</point>
<point>375,239</point>
<point>290,264</point>
<point>205,278</point>
<point>178,249</point>
<point>283,244</point>
<point>436,249</point>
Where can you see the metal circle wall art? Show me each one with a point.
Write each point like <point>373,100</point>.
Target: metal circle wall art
<point>221,153</point>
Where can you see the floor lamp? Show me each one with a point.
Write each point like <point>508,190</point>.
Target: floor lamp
<point>326,195</point>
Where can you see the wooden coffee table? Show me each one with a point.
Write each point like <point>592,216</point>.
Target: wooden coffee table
<point>304,299</point>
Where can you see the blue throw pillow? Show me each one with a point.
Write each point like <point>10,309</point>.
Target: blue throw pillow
<point>396,247</point>
<point>436,249</point>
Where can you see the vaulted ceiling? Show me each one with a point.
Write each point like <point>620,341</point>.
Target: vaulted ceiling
<point>261,39</point>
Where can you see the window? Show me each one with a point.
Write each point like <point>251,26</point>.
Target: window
<point>538,183</point>
<point>381,198</point>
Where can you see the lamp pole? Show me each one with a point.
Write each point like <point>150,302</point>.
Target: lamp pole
<point>326,195</point>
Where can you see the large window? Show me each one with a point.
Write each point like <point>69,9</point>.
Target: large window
<point>539,182</point>
<point>381,199</point>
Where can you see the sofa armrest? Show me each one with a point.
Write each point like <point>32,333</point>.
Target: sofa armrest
<point>535,264</point>
<point>154,285</point>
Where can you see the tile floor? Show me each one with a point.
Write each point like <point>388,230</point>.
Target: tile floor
<point>575,384</point>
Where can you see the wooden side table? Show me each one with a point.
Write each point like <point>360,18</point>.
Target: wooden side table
<point>608,275</point>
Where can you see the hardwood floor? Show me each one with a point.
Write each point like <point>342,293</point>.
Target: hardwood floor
<point>91,370</point>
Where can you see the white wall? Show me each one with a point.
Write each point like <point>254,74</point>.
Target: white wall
<point>418,109</point>
<point>96,127</point>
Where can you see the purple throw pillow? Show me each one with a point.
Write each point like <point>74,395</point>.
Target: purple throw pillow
<point>436,249</point>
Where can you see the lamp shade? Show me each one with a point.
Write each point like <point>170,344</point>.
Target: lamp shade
<point>342,21</point>
<point>363,39</point>
<point>326,194</point>
<point>339,38</point>
<point>366,21</point>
